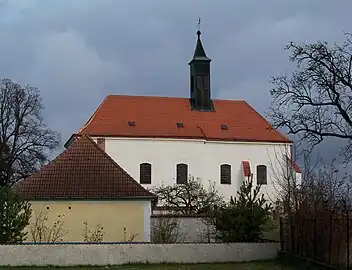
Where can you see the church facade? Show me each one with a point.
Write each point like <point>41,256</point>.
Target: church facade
<point>165,140</point>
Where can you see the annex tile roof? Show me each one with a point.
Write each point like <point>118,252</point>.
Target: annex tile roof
<point>294,165</point>
<point>83,171</point>
<point>246,168</point>
<point>157,117</point>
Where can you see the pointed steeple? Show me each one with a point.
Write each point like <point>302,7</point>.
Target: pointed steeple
<point>200,79</point>
<point>199,52</point>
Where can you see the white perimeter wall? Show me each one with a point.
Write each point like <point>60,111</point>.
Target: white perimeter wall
<point>203,158</point>
<point>105,254</point>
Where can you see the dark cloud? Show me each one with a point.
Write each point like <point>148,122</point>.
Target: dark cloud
<point>77,52</point>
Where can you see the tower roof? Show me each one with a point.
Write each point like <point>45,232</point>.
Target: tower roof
<point>199,52</point>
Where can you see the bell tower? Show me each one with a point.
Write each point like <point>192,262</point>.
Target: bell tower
<point>200,95</point>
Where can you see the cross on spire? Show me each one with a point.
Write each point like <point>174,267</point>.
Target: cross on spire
<point>199,53</point>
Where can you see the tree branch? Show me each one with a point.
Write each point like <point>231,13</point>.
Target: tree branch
<point>316,101</point>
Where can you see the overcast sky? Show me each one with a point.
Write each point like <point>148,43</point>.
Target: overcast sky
<point>77,52</point>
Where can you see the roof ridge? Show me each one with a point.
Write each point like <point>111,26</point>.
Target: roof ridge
<point>229,100</point>
<point>146,96</point>
<point>165,97</point>
<point>114,162</point>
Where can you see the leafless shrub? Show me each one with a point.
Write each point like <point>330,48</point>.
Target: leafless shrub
<point>95,236</point>
<point>128,237</point>
<point>41,232</point>
<point>167,230</point>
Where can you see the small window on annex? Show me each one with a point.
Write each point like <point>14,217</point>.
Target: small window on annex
<point>145,170</point>
<point>262,175</point>
<point>225,174</point>
<point>181,173</point>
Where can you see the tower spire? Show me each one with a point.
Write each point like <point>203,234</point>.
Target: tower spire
<point>199,52</point>
<point>200,78</point>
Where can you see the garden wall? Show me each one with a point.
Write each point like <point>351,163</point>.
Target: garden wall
<point>113,254</point>
<point>182,229</point>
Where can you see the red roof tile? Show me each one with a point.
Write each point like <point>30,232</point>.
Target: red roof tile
<point>157,117</point>
<point>246,168</point>
<point>294,165</point>
<point>82,171</point>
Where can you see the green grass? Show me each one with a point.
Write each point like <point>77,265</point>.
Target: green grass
<point>269,265</point>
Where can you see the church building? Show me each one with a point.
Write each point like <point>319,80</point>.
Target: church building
<point>165,140</point>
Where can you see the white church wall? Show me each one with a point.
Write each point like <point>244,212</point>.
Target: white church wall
<point>203,159</point>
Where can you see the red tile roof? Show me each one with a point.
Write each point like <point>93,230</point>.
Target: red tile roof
<point>294,165</point>
<point>157,117</point>
<point>246,168</point>
<point>82,171</point>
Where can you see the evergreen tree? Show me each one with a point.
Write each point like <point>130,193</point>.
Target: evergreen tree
<point>14,217</point>
<point>244,218</point>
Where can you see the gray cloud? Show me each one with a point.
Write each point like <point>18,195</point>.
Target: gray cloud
<point>77,52</point>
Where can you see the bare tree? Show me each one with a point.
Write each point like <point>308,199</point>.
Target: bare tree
<point>25,141</point>
<point>321,183</point>
<point>316,101</point>
<point>190,198</point>
<point>317,224</point>
<point>329,187</point>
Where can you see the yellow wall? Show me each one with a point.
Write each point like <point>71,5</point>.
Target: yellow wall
<point>112,215</point>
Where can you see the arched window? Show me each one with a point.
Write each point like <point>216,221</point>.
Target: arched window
<point>261,175</point>
<point>145,171</point>
<point>225,174</point>
<point>181,173</point>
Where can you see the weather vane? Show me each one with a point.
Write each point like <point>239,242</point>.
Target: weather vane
<point>198,23</point>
